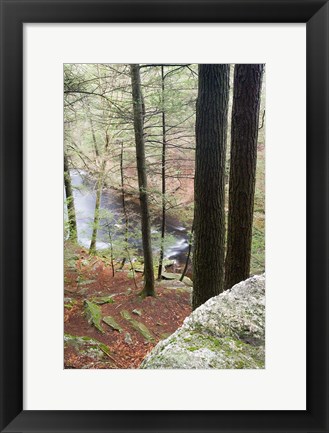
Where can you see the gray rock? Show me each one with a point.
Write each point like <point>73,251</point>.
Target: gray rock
<point>172,284</point>
<point>137,312</point>
<point>86,346</point>
<point>227,332</point>
<point>173,276</point>
<point>128,338</point>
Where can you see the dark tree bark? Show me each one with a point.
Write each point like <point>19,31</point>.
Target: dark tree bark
<point>70,201</point>
<point>148,289</point>
<point>163,175</point>
<point>209,182</point>
<point>244,134</point>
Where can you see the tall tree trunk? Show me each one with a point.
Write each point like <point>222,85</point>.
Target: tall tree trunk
<point>209,182</point>
<point>148,289</point>
<point>125,215</point>
<point>99,187</point>
<point>124,209</point>
<point>245,121</point>
<point>163,174</point>
<point>93,135</point>
<point>70,201</point>
<point>89,117</point>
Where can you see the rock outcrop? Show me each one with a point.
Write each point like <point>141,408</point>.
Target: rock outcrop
<point>227,332</point>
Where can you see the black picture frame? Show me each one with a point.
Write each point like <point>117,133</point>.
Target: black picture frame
<point>13,14</point>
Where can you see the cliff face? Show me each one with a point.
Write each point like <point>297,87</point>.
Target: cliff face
<point>227,332</point>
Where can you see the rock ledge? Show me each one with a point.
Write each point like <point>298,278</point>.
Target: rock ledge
<point>227,332</point>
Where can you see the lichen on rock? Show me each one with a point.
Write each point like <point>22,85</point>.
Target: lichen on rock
<point>227,332</point>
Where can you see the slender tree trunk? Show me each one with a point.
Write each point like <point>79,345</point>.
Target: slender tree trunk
<point>163,174</point>
<point>92,248</point>
<point>124,210</point>
<point>70,201</point>
<point>245,121</point>
<point>89,117</point>
<point>125,215</point>
<point>209,182</point>
<point>148,289</point>
<point>93,135</point>
<point>111,250</point>
<point>99,187</point>
<point>190,243</point>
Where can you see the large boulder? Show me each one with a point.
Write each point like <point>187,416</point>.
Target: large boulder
<point>226,332</point>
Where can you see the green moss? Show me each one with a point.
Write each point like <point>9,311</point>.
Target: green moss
<point>165,335</point>
<point>94,314</point>
<point>86,345</point>
<point>138,326</point>
<point>100,300</point>
<point>110,321</point>
<point>69,303</point>
<point>83,282</point>
<point>125,314</point>
<point>238,355</point>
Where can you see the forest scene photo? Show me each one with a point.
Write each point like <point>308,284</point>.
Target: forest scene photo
<point>164,216</point>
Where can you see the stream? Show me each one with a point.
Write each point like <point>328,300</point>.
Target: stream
<point>112,221</point>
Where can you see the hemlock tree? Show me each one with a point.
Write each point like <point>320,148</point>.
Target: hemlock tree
<point>209,182</point>
<point>138,109</point>
<point>244,134</point>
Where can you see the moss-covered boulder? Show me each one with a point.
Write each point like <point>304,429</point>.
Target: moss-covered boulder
<point>86,346</point>
<point>94,314</point>
<point>112,323</point>
<point>138,326</point>
<point>227,332</point>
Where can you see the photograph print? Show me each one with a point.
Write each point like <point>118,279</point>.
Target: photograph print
<point>164,216</point>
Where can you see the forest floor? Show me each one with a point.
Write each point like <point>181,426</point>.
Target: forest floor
<point>135,325</point>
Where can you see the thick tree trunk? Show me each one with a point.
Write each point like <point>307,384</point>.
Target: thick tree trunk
<point>209,182</point>
<point>163,176</point>
<point>245,121</point>
<point>70,201</point>
<point>148,289</point>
